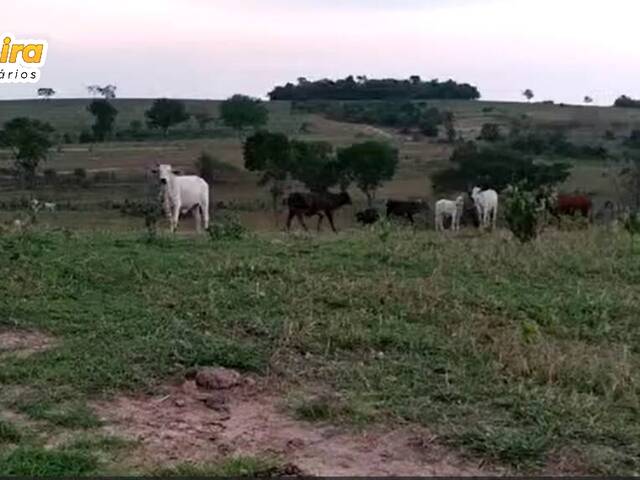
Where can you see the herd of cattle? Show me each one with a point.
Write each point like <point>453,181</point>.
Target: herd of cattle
<point>181,194</point>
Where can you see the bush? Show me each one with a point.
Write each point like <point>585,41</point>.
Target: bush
<point>490,132</point>
<point>522,213</point>
<point>227,228</point>
<point>68,138</point>
<point>85,137</point>
<point>50,176</point>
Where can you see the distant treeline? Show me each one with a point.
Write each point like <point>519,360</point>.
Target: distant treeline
<point>626,102</point>
<point>362,88</point>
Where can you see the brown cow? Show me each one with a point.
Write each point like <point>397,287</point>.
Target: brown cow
<point>570,205</point>
<point>320,204</point>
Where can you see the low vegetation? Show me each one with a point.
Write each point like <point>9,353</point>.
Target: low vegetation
<point>519,355</point>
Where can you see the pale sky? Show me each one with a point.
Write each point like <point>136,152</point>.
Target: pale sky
<point>562,49</point>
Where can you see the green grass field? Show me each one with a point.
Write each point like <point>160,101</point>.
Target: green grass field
<point>521,355</point>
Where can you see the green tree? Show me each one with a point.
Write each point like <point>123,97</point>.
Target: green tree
<point>270,154</point>
<point>497,167</point>
<point>370,164</point>
<point>528,94</point>
<point>105,116</point>
<point>165,113</point>
<point>240,112</point>
<point>29,141</point>
<point>314,164</point>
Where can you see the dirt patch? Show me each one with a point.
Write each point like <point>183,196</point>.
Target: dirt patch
<point>187,424</point>
<point>22,343</point>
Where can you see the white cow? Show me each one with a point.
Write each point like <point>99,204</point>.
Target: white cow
<point>49,206</point>
<point>182,194</point>
<point>449,208</point>
<point>486,202</point>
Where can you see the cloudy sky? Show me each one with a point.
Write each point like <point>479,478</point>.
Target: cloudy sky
<point>562,49</point>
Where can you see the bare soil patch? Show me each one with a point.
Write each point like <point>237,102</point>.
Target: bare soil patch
<point>189,424</point>
<point>22,343</point>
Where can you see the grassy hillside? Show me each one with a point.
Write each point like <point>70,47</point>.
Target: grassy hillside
<point>523,356</point>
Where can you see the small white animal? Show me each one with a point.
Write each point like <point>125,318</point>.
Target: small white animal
<point>486,202</point>
<point>182,194</point>
<point>449,208</point>
<point>49,206</point>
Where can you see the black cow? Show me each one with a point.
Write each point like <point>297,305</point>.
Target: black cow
<point>316,203</point>
<point>405,209</point>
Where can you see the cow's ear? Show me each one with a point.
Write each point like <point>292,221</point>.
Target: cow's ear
<point>177,172</point>
<point>154,171</point>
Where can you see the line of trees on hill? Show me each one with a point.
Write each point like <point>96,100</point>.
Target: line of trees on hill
<point>363,88</point>
<point>238,112</point>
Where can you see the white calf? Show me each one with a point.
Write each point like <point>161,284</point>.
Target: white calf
<point>486,203</point>
<point>449,208</point>
<point>182,194</point>
<point>49,206</point>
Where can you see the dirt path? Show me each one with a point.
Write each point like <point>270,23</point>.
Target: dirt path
<point>185,424</point>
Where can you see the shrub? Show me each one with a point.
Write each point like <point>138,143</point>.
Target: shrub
<point>50,176</point>
<point>227,228</point>
<point>490,132</point>
<point>85,137</point>
<point>522,213</point>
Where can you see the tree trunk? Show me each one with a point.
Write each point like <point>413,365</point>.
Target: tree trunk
<point>370,196</point>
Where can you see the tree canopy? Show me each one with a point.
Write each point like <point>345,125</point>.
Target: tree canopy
<point>626,102</point>
<point>105,116</point>
<point>240,112</point>
<point>497,167</point>
<point>29,141</point>
<point>269,153</point>
<point>369,164</point>
<point>362,88</point>
<point>165,113</point>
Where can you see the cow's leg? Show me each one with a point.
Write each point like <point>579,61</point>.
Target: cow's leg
<point>438,223</point>
<point>495,217</point>
<point>410,217</point>
<point>301,220</point>
<point>330,217</point>
<point>197,215</point>
<point>320,218</point>
<point>205,214</point>
<point>290,218</point>
<point>175,218</point>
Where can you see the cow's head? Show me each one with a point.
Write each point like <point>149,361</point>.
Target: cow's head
<point>164,173</point>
